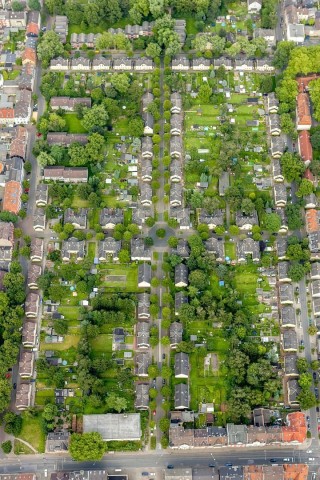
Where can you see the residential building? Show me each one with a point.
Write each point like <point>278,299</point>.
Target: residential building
<point>34,273</point>
<point>29,334</point>
<point>295,32</point>
<point>73,248</point>
<point>109,247</point>
<point>312,220</point>
<point>277,171</point>
<point>180,63</point>
<point>144,275</point>
<point>61,27</point>
<point>182,215</point>
<point>142,361</point>
<point>66,139</point>
<point>267,33</point>
<point>110,217</point>
<point>78,40</point>
<point>176,124</point>
<point>36,250</point>
<point>69,104</point>
<point>39,220</point>
<point>146,170</point>
<point>175,147</point>
<point>237,434</point>
<point>213,220</point>
<point>201,64</point>
<point>179,474</point>
<point>77,218</point>
<point>42,195</point>
<point>80,63</point>
<point>248,247</point>
<point>146,147</point>
<point>143,307</point>
<point>303,114</point>
<point>145,194</point>
<point>315,271</point>
<point>18,145</point>
<point>139,251</point>
<point>283,276</point>
<point>216,247</point>
<point>26,364</point>
<point>246,222</point>
<point>181,365</point>
<point>286,296</point>
<point>31,305</point>
<point>176,195</point>
<point>181,397</point>
<point>223,62</point>
<point>57,442</point>
<point>175,334</point>
<point>23,396</point>
<point>143,64</point>
<point>175,171</point>
<point>143,335</point>
<point>277,147</point>
<point>146,99</point>
<point>12,196</point>
<point>29,56</point>
<point>101,64</point>
<point>244,65</point>
<point>114,426</point>
<point>181,274</point>
<point>122,64</point>
<point>182,249</point>
<point>315,288</point>
<point>18,19</point>
<point>273,103</point>
<point>148,123</point>
<point>305,147</point>
<point>264,65</point>
<point>290,365</point>
<point>310,201</point>
<point>59,64</point>
<point>142,396</point>
<point>274,124</point>
<point>254,6</point>
<point>288,317</point>
<point>289,340</point>
<point>293,390</point>
<point>280,194</point>
<point>281,245</point>
<point>176,102</point>
<point>66,174</point>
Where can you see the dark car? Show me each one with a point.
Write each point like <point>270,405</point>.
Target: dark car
<point>145,474</point>
<point>170,467</point>
<point>163,381</point>
<point>163,356</point>
<point>273,460</point>
<point>14,386</point>
<point>228,464</point>
<point>211,465</point>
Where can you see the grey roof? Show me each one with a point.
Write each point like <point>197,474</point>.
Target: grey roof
<point>78,218</point>
<point>314,242</point>
<point>175,145</point>
<point>176,101</point>
<point>31,304</point>
<point>179,474</point>
<point>283,268</point>
<point>276,168</point>
<point>180,60</point>
<point>97,61</point>
<point>311,200</point>
<point>289,339</point>
<point>80,61</point>
<point>280,193</point>
<point>176,194</point>
<point>181,214</point>
<point>39,218</point>
<point>224,183</point>
<point>274,121</point>
<point>176,121</point>
<point>148,119</point>
<point>175,333</point>
<point>55,62</point>
<point>288,316</point>
<point>29,333</point>
<point>42,193</point>
<point>143,308</point>
<point>122,61</point>
<point>282,244</point>
<point>286,293</point>
<point>109,246</point>
<point>145,193</point>
<point>181,273</point>
<point>316,306</point>
<point>140,214</point>
<point>216,218</point>
<point>315,269</point>
<point>283,217</point>
<point>73,246</point>
<point>231,473</point>
<point>222,61</point>
<point>182,249</point>
<point>176,168</point>
<point>34,272</point>
<point>143,360</point>
<point>293,389</point>
<point>181,396</point>
<point>146,99</point>
<point>237,434</point>
<point>66,139</point>
<point>57,442</point>
<point>273,102</point>
<point>142,333</point>
<point>242,219</point>
<point>246,247</point>
<point>146,169</point>
<point>146,145</point>
<point>69,102</point>
<point>114,426</point>
<point>36,247</point>
<point>139,251</point>
<point>206,62</point>
<point>315,288</point>
<point>277,146</point>
<point>180,299</point>
<point>181,364</point>
<point>239,62</point>
<point>144,273</point>
<point>215,246</point>
<point>142,396</point>
<point>111,216</point>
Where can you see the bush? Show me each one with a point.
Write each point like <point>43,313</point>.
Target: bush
<point>161,233</point>
<point>6,446</point>
<point>153,443</point>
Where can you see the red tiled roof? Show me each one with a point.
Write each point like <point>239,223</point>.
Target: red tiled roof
<point>30,55</point>
<point>296,471</point>
<point>33,28</point>
<point>11,197</point>
<point>305,146</point>
<point>303,109</point>
<point>297,429</point>
<point>6,113</point>
<point>312,222</point>
<point>308,175</point>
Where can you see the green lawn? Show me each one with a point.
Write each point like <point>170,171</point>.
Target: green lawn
<point>102,344</point>
<point>69,341</point>
<point>73,124</point>
<point>246,282</point>
<point>230,250</point>
<point>71,313</point>
<point>32,431</point>
<point>79,203</point>
<point>130,284</point>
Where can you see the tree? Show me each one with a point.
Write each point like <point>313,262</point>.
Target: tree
<point>14,286</point>
<point>114,402</point>
<point>153,393</point>
<point>61,326</point>
<point>293,213</point>
<point>136,127</point>
<point>13,423</point>
<point>161,233</point>
<point>120,81</point>
<point>6,446</point>
<point>305,380</point>
<point>49,46</point>
<point>164,441</point>
<point>247,206</point>
<point>17,6</point>
<point>124,256</point>
<point>307,399</point>
<point>292,166</point>
<point>315,365</point>
<point>272,222</point>
<point>45,159</point>
<point>282,54</point>
<point>153,50</point>
<point>165,341</point>
<point>305,188</point>
<point>296,271</point>
<point>5,392</point>
<point>204,94</point>
<point>164,424</point>
<point>97,116</point>
<point>153,371</point>
<point>198,279</point>
<point>287,125</point>
<point>86,446</point>
<point>315,138</point>
<point>312,330</point>
<point>234,230</point>
<point>50,411</point>
<point>302,365</point>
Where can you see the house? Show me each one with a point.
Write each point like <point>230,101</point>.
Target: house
<point>180,298</point>
<point>201,64</point>
<point>176,195</point>
<point>303,115</point>
<point>7,116</point>
<point>246,222</point>
<point>316,307</point>
<point>175,147</point>
<point>180,63</point>
<point>80,63</point>
<point>237,434</point>
<point>139,251</point>
<point>254,6</point>
<point>143,335</point>
<point>12,197</point>
<point>114,426</point>
<point>142,361</point>
<point>31,305</point>
<point>264,65</point>
<point>281,245</point>
<point>176,102</point>
<point>244,65</point>
<point>226,63</point>
<point>175,334</point>
<point>295,32</point>
<point>290,365</point>
<point>34,273</point>
<point>305,147</point>
<point>18,19</point>
<point>289,340</point>
<point>288,317</point>
<point>248,247</point>
<point>29,334</point>
<point>66,139</point>
<point>23,396</point>
<point>109,247</point>
<point>146,147</point>
<point>315,271</point>
<point>57,442</point>
<point>59,64</point>
<point>310,201</point>
<point>144,275</point>
<point>277,171</point>
<point>140,215</point>
<point>273,103</point>
<point>315,288</point>
<point>77,218</point>
<point>39,220</point>
<point>146,99</point>
<point>32,30</point>
<point>101,64</point>
<point>280,194</point>
<point>143,64</point>
<point>66,174</point>
<point>175,170</point>
<point>110,217</point>
<point>78,40</point>
<point>148,123</point>
<point>286,296</point>
<point>180,29</point>
<point>312,220</point>
<point>181,397</point>
<point>176,124</point>
<point>29,56</point>
<point>277,147</point>
<point>26,364</point>
<point>143,307</point>
<point>212,220</point>
<point>69,104</point>
<point>268,34</point>
<point>182,249</point>
<point>27,76</point>
<point>224,183</point>
<point>122,64</point>
<point>274,124</point>
<point>42,195</point>
<point>314,244</point>
<point>216,247</point>
<point>146,170</point>
<point>293,390</point>
<point>181,365</point>
<point>36,250</point>
<point>142,396</point>
<point>73,248</point>
<point>61,27</point>
<point>181,275</point>
<point>145,194</point>
<point>182,216</point>
<point>18,144</point>
<point>6,244</point>
<point>283,275</point>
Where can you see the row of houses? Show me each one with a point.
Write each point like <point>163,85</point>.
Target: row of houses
<point>183,63</point>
